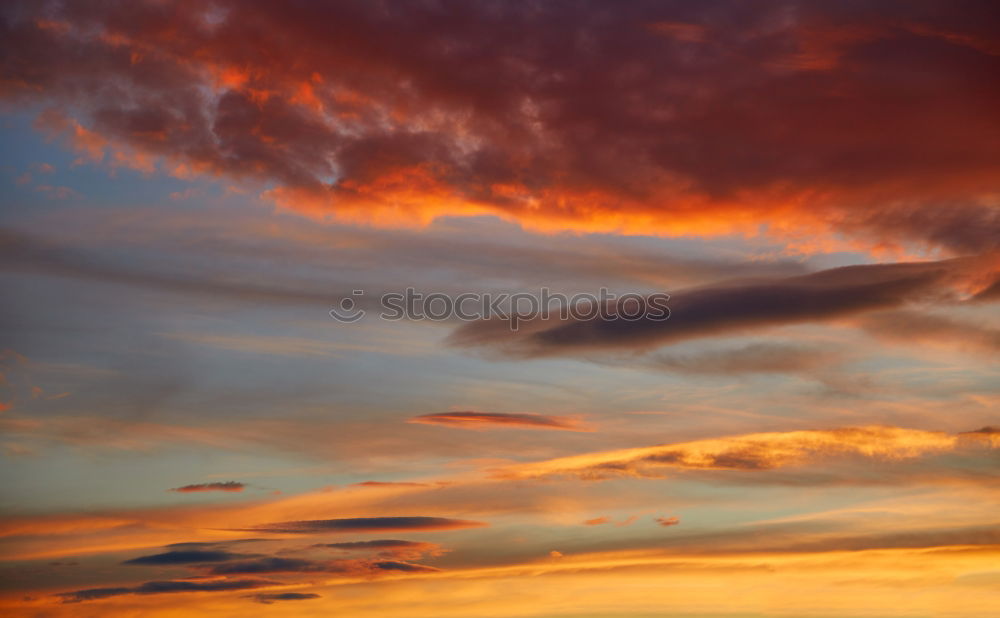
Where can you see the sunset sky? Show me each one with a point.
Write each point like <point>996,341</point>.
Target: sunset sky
<point>187,188</point>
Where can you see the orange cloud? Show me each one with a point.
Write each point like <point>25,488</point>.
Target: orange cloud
<point>760,451</point>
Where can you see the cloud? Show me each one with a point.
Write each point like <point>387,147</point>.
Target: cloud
<point>270,597</point>
<point>389,555</point>
<point>376,544</point>
<point>738,306</point>
<point>597,521</point>
<point>804,538</point>
<point>25,253</point>
<point>920,328</point>
<point>193,556</point>
<point>988,435</point>
<point>761,451</point>
<point>209,545</point>
<point>272,564</point>
<point>667,521</point>
<point>221,486</point>
<point>57,193</point>
<point>407,567</point>
<point>989,294</point>
<point>920,538</point>
<point>749,359</point>
<point>390,484</point>
<point>367,524</point>
<point>389,548</point>
<point>163,587</point>
<point>988,430</point>
<point>674,118</point>
<point>485,420</point>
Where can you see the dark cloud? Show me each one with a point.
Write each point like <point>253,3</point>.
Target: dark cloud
<point>985,436</point>
<point>267,598</point>
<point>206,545</point>
<point>273,564</point>
<point>163,587</point>
<point>376,544</point>
<point>192,556</point>
<point>224,486</point>
<point>407,567</point>
<point>481,420</point>
<point>988,430</point>
<point>731,307</point>
<point>875,118</point>
<point>367,524</point>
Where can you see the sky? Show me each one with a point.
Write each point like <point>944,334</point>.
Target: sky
<point>190,192</point>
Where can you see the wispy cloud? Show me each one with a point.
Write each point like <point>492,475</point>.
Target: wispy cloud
<point>754,358</point>
<point>391,484</point>
<point>388,548</point>
<point>486,420</point>
<point>761,451</point>
<point>192,556</point>
<point>228,486</point>
<point>271,597</point>
<point>164,587</point>
<point>367,524</point>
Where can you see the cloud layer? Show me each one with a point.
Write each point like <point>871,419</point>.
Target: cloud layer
<point>669,117</point>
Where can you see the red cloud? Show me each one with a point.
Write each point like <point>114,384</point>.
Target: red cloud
<point>667,120</point>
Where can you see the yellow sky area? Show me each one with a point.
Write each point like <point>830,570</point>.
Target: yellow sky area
<point>945,581</point>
